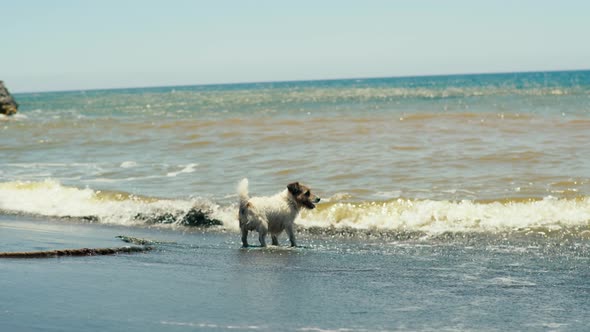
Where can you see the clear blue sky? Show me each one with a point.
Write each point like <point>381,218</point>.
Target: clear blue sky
<point>71,45</point>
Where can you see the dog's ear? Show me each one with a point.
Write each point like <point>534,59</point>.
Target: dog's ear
<point>294,188</point>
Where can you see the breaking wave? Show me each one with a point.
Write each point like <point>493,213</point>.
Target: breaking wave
<point>52,199</point>
<point>540,216</point>
<point>543,216</point>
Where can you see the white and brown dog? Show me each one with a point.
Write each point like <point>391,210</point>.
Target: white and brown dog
<point>273,214</point>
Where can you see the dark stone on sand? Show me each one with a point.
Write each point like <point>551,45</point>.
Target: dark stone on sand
<point>195,217</point>
<point>198,218</point>
<point>7,104</point>
<point>88,219</point>
<point>156,218</point>
<point>74,252</point>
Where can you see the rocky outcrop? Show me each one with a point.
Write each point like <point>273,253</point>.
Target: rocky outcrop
<point>7,104</point>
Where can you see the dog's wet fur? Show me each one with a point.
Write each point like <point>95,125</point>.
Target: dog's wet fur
<point>273,214</point>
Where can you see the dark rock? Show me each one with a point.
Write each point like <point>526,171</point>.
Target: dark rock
<point>74,252</point>
<point>163,218</point>
<point>7,104</point>
<point>196,217</point>
<point>135,240</point>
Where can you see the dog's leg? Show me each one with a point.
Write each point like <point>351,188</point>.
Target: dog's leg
<point>275,240</point>
<point>262,237</point>
<point>289,230</point>
<point>262,230</point>
<point>244,237</point>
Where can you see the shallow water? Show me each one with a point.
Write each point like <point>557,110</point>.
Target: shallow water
<point>204,281</point>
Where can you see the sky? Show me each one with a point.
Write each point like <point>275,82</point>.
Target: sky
<point>76,44</point>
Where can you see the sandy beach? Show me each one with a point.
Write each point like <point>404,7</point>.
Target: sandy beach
<point>203,280</point>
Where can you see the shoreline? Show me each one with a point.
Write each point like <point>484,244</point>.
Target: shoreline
<point>204,281</point>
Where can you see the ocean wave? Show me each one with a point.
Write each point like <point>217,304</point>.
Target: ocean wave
<point>541,216</point>
<point>436,217</point>
<point>52,199</point>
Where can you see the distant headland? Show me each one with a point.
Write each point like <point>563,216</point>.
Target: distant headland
<point>7,104</point>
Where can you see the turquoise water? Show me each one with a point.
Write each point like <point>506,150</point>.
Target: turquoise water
<point>448,203</point>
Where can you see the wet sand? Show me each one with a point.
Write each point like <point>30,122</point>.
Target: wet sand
<point>203,280</point>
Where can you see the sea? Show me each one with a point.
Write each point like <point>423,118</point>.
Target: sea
<point>448,203</point>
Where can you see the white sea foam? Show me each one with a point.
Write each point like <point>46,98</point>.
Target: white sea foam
<point>17,116</point>
<point>190,168</point>
<point>50,198</point>
<point>128,164</point>
<point>435,217</point>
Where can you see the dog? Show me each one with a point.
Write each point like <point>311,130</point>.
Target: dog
<point>273,214</point>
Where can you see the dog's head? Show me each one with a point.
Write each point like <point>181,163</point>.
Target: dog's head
<point>303,195</point>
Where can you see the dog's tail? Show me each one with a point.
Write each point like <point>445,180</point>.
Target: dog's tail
<point>243,192</point>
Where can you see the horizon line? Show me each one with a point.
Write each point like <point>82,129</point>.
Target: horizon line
<point>301,80</point>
